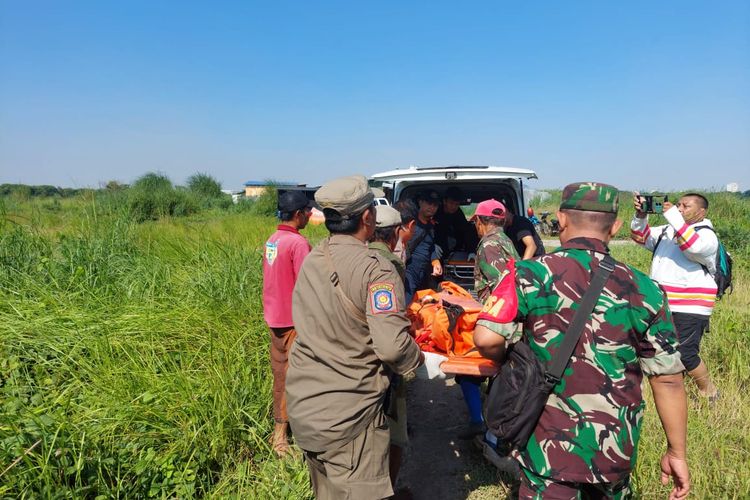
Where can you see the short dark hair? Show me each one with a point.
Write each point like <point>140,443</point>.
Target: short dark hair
<point>492,221</point>
<point>598,221</point>
<point>701,199</point>
<point>338,225</point>
<point>454,193</point>
<point>384,233</point>
<point>408,210</point>
<point>287,216</point>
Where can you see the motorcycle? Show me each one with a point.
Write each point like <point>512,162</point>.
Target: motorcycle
<point>548,225</point>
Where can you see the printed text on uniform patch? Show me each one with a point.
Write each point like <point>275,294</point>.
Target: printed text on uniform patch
<point>382,298</point>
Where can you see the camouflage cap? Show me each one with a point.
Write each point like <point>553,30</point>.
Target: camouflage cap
<point>590,196</point>
<point>387,216</point>
<point>344,197</point>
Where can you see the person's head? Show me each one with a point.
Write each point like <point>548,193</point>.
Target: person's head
<point>387,225</point>
<point>488,215</point>
<point>589,209</point>
<point>294,209</point>
<point>409,213</point>
<point>452,200</point>
<point>347,206</point>
<point>428,202</point>
<point>693,207</point>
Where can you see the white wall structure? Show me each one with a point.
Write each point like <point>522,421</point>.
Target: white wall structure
<point>733,187</point>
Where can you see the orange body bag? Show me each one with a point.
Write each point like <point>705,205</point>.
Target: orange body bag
<point>443,321</point>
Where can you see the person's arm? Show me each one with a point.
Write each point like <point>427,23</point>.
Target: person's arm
<point>698,246</point>
<point>387,321</point>
<point>660,361</point>
<point>530,249</point>
<point>640,232</point>
<point>490,343</point>
<point>671,405</point>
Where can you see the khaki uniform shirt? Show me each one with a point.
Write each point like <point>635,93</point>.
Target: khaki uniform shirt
<point>338,366</point>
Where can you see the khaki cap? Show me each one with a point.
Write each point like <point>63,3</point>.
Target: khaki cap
<point>387,216</point>
<point>344,197</point>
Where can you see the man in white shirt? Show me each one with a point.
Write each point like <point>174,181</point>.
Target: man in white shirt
<point>683,263</point>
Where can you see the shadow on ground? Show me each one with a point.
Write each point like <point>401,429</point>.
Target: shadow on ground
<point>439,466</point>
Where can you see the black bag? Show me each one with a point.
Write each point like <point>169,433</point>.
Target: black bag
<point>519,392</point>
<point>723,265</point>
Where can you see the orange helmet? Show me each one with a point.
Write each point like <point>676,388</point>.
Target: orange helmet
<point>530,212</point>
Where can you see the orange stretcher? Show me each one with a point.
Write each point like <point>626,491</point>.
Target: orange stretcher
<point>478,367</point>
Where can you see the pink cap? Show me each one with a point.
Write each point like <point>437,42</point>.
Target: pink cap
<point>490,208</point>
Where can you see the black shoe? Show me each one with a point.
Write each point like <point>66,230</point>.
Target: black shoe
<point>472,429</point>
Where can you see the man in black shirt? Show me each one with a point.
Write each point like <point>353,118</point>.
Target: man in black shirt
<point>453,232</point>
<point>521,232</point>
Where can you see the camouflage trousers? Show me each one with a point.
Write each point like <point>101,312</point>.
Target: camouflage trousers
<point>538,487</point>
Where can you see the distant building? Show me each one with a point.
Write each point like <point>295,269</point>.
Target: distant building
<point>733,187</point>
<point>253,189</point>
<point>236,195</point>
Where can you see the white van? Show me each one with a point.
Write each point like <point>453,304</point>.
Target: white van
<point>477,183</point>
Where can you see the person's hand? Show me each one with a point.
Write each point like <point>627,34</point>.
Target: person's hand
<point>430,369</point>
<point>437,268</point>
<point>677,468</point>
<point>666,206</point>
<point>638,205</point>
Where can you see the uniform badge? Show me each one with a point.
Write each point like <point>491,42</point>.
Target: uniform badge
<point>383,298</point>
<point>272,251</point>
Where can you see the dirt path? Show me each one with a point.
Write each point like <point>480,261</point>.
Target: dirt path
<point>438,465</point>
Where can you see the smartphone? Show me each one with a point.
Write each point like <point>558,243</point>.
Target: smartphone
<point>653,203</point>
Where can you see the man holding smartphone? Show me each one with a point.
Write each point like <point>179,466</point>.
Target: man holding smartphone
<point>684,255</point>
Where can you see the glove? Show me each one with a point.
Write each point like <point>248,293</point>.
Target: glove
<point>430,369</point>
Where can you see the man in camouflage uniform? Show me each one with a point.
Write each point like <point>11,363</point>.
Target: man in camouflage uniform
<point>586,439</point>
<point>492,255</point>
<point>495,248</point>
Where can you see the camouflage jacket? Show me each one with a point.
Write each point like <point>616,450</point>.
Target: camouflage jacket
<point>589,430</point>
<point>494,250</point>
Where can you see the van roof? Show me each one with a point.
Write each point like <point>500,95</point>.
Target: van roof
<point>463,172</point>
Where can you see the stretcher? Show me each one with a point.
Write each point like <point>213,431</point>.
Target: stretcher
<point>478,367</point>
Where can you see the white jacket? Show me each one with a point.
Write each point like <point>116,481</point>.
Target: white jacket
<point>679,259</point>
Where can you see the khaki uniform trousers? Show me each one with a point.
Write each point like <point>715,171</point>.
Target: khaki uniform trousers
<point>357,470</point>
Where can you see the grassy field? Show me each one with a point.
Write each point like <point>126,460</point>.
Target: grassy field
<point>133,358</point>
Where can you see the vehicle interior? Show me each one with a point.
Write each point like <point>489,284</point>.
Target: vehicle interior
<point>458,268</point>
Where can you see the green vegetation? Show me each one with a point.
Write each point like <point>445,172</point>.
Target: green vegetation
<point>133,356</point>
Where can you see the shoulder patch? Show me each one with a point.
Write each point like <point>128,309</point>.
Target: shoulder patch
<point>383,298</point>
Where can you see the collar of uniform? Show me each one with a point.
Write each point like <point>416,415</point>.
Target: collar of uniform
<point>379,245</point>
<point>286,227</point>
<point>583,243</point>
<point>345,239</point>
<point>494,230</point>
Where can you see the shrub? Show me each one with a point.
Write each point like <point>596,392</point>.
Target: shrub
<point>204,185</point>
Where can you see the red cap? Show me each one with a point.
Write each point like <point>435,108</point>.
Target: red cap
<point>490,208</point>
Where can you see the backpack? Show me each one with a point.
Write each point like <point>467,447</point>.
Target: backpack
<point>443,321</point>
<point>722,264</point>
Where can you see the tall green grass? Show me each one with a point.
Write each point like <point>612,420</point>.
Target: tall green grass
<point>133,360</point>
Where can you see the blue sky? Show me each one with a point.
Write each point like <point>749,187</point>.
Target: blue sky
<point>639,94</point>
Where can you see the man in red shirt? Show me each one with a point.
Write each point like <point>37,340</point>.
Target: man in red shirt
<point>284,252</point>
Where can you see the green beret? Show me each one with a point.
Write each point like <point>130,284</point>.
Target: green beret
<point>344,197</point>
<point>590,196</point>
